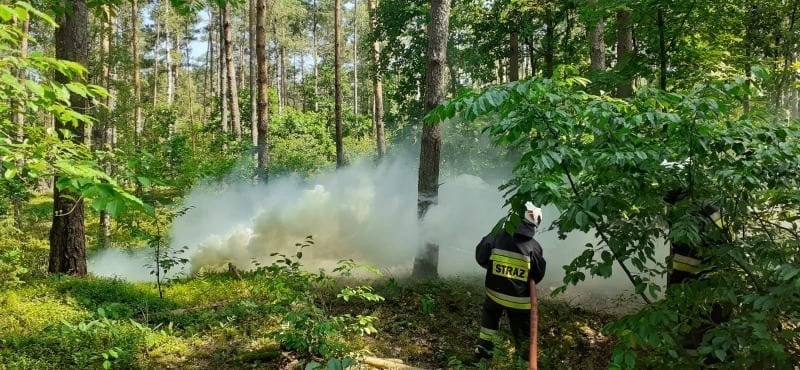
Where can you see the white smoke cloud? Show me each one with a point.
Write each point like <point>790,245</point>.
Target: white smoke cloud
<point>365,212</point>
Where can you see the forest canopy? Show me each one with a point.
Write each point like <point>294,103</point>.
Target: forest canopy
<point>649,124</point>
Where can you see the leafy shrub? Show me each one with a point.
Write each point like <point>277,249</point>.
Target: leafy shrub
<point>306,324</point>
<point>10,268</point>
<point>605,164</point>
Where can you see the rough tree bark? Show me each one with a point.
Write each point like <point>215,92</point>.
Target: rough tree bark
<point>662,48</point>
<point>155,58</point>
<point>67,235</point>
<point>624,52</point>
<point>337,80</point>
<point>513,57</point>
<point>168,58</point>
<point>101,139</point>
<point>549,44</point>
<point>355,57</point>
<point>284,77</point>
<point>597,45</point>
<point>137,78</point>
<point>223,84</point>
<point>263,84</point>
<point>232,88</point>
<point>427,259</point>
<point>253,77</point>
<point>18,119</point>
<point>314,54</point>
<point>377,83</point>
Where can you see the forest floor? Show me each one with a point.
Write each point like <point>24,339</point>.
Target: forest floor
<point>276,318</point>
<point>214,322</point>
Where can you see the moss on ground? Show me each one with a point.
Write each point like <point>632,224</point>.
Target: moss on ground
<point>219,321</point>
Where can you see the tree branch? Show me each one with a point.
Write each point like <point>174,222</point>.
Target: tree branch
<point>597,227</point>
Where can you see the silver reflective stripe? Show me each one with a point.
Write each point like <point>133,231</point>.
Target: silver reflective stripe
<point>687,260</point>
<point>509,298</point>
<point>512,254</point>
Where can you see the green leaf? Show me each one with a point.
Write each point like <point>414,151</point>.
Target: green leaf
<point>35,88</point>
<point>77,88</point>
<point>582,219</point>
<point>313,365</point>
<point>11,81</point>
<point>114,207</point>
<point>10,173</point>
<point>21,13</point>
<point>720,354</point>
<point>334,364</point>
<point>6,13</point>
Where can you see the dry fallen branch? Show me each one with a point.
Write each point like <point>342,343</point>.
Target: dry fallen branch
<point>388,363</point>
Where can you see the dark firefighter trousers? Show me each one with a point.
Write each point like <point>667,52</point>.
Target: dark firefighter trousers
<point>520,321</point>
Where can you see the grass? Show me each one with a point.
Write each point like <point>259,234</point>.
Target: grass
<point>213,323</point>
<point>268,319</point>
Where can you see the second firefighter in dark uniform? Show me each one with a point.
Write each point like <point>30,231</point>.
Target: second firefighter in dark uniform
<point>510,261</point>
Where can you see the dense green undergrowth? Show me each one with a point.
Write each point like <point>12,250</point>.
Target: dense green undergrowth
<point>276,316</point>
<point>219,321</point>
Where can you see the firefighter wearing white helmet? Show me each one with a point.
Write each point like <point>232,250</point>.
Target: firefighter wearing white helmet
<point>510,260</point>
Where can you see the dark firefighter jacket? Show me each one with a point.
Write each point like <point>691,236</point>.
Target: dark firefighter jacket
<point>510,260</point>
<point>687,259</point>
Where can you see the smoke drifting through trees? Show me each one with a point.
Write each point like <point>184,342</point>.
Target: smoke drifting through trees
<point>362,212</point>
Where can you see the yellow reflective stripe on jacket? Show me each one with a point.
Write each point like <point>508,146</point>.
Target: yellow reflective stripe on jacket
<point>487,334</point>
<point>717,218</point>
<point>520,303</point>
<point>511,254</point>
<point>511,261</point>
<point>686,264</point>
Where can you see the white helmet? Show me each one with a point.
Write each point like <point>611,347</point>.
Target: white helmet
<point>533,214</point>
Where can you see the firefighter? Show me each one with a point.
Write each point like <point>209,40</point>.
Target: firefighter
<point>510,261</point>
<point>690,261</point>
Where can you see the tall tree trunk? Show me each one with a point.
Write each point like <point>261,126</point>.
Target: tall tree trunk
<point>337,80</point>
<point>549,44</point>
<point>168,57</point>
<point>177,61</point>
<point>67,236</point>
<point>302,78</point>
<point>355,57</point>
<point>314,41</point>
<point>597,44</point>
<point>101,139</point>
<point>513,57</point>
<point>223,86</point>
<point>253,79</point>
<point>624,53</point>
<point>662,48</point>
<point>208,75</point>
<point>240,66</point>
<point>155,59</point>
<point>233,94</point>
<point>137,84</point>
<point>187,56</point>
<point>137,78</point>
<point>283,76</point>
<point>173,60</point>
<point>213,65</point>
<point>18,118</point>
<point>427,260</point>
<point>377,82</point>
<point>263,85</point>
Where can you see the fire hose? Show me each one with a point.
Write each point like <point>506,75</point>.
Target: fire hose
<point>534,348</point>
